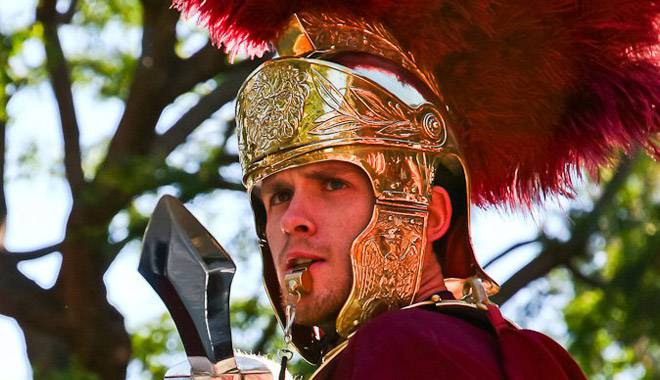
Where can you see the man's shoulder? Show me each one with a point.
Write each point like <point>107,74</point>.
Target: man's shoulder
<point>415,325</point>
<point>432,343</point>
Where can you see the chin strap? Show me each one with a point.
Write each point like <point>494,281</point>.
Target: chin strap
<point>285,353</point>
<point>298,282</point>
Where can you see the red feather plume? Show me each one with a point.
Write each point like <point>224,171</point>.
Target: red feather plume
<point>539,88</point>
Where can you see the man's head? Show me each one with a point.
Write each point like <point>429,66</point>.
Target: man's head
<point>379,121</point>
<point>383,122</point>
<point>314,214</point>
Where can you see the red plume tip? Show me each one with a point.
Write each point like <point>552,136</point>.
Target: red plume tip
<point>241,27</point>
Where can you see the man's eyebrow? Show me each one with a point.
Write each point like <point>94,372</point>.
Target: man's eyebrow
<point>273,186</point>
<point>318,174</point>
<point>327,173</point>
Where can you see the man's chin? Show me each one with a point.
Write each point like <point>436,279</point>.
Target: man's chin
<point>321,306</point>
<point>313,310</point>
<point>315,316</point>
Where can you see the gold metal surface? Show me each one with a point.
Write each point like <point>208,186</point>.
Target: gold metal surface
<point>298,282</point>
<point>292,41</point>
<point>310,104</point>
<point>328,32</point>
<point>299,111</point>
<point>475,293</point>
<point>386,265</point>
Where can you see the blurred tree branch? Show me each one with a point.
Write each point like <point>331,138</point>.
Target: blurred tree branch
<point>3,199</point>
<point>61,81</point>
<point>66,17</point>
<point>15,289</point>
<point>555,253</point>
<point>32,254</point>
<point>228,85</point>
<point>513,248</point>
<point>590,280</point>
<point>203,65</point>
<point>146,97</point>
<point>229,131</point>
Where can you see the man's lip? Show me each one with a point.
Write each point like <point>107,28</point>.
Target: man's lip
<point>292,257</point>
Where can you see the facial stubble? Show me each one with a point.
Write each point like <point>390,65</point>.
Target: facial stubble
<point>322,305</point>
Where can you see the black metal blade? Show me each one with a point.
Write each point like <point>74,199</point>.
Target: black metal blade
<point>192,274</point>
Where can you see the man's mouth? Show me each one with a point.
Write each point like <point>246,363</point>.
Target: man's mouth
<point>301,263</point>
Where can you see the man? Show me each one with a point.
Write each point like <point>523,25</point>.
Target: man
<point>365,143</point>
<point>314,213</point>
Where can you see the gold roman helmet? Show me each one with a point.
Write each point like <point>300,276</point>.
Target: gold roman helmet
<point>343,89</point>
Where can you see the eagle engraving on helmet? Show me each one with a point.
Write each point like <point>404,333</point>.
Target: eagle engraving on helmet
<point>385,268</point>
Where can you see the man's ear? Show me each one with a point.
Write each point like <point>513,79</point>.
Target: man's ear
<point>439,214</point>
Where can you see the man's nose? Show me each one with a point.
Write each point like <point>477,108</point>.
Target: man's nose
<point>297,220</point>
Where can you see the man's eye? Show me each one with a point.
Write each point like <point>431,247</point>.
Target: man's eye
<point>280,197</point>
<point>335,184</point>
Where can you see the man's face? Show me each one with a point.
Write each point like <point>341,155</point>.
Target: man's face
<point>314,212</point>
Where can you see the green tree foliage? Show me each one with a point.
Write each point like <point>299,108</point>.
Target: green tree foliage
<point>153,341</point>
<point>613,317</point>
<point>75,371</point>
<point>609,260</point>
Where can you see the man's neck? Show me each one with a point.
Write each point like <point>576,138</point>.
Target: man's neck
<point>432,280</point>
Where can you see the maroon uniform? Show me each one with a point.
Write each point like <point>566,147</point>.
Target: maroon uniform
<point>431,344</point>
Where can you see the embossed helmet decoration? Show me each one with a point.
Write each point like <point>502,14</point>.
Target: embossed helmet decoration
<point>505,101</point>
